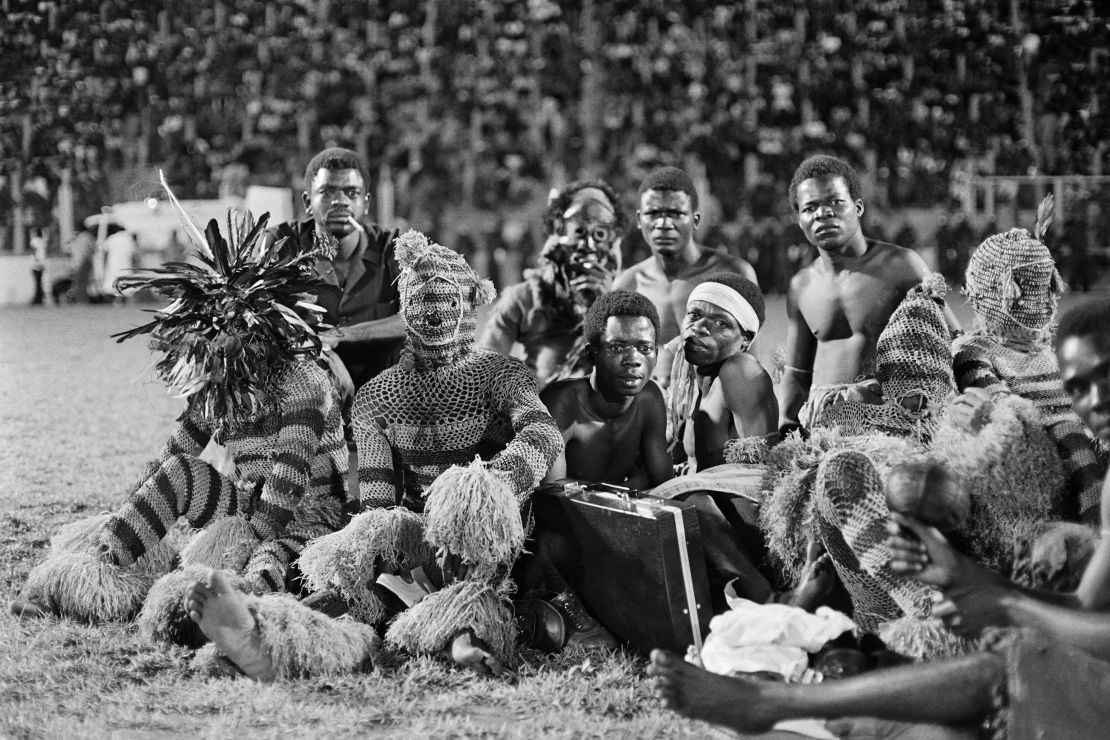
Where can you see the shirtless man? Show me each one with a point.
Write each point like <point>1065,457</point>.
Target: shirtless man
<point>725,391</point>
<point>1051,678</point>
<point>668,216</point>
<point>720,392</point>
<point>839,303</point>
<point>614,421</point>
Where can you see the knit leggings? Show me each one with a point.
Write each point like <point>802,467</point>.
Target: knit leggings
<point>851,515</point>
<point>186,486</point>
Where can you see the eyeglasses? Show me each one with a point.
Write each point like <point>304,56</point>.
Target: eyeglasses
<point>658,216</point>
<point>596,232</point>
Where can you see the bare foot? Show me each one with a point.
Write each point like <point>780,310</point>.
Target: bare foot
<point>221,612</point>
<point>817,582</point>
<point>723,700</point>
<point>27,609</point>
<point>469,650</point>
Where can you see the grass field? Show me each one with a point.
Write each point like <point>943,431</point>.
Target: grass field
<point>79,416</point>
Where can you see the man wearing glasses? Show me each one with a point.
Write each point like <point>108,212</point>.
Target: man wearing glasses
<point>541,317</point>
<point>668,216</point>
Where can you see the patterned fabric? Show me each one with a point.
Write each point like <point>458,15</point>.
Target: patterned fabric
<point>291,471</point>
<point>851,512</point>
<point>912,355</point>
<point>447,402</point>
<point>1013,285</point>
<point>1005,356</point>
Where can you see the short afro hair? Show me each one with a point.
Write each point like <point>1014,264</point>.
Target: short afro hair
<point>617,303</point>
<point>1086,319</point>
<point>561,202</point>
<point>823,166</point>
<point>335,158</point>
<point>748,290</point>
<point>670,178</point>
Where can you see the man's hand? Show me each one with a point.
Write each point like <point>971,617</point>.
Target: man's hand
<point>921,552</point>
<point>971,410</point>
<point>331,338</point>
<point>968,610</point>
<point>590,281</point>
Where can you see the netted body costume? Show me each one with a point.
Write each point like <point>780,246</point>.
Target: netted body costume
<point>831,486</point>
<point>239,344</point>
<point>1014,287</point>
<point>415,424</point>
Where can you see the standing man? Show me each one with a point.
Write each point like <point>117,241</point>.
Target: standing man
<point>840,302</point>
<point>668,216</point>
<point>364,307</point>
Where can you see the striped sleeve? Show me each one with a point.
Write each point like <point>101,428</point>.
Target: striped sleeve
<point>972,369</point>
<point>536,440</point>
<point>188,438</point>
<point>305,403</point>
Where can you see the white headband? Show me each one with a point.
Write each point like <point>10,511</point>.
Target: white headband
<point>729,300</point>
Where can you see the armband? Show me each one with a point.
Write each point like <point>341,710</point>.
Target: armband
<point>799,370</point>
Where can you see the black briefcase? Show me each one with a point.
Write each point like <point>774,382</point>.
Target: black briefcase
<point>635,561</point>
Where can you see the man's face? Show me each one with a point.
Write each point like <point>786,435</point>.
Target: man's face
<point>587,230</point>
<point>710,334</point>
<point>828,215</point>
<point>1085,372</point>
<point>668,222</point>
<point>336,197</point>
<point>625,356</point>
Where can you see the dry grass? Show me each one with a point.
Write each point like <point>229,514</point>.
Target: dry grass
<point>78,419</point>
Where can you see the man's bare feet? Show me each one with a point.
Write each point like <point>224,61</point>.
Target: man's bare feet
<point>27,609</point>
<point>222,614</point>
<point>471,651</point>
<point>696,693</point>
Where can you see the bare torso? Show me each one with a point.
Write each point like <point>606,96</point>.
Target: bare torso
<point>599,448</point>
<point>733,401</point>
<point>845,307</point>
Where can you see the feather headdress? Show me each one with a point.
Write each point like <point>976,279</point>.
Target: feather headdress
<point>236,318</point>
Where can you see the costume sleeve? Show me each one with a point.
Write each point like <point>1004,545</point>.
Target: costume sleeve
<point>187,439</point>
<point>377,477</point>
<point>305,402</point>
<point>536,440</point>
<point>973,369</point>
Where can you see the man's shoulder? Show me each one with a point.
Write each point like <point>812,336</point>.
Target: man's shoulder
<point>565,393</point>
<point>626,278</point>
<point>744,368</point>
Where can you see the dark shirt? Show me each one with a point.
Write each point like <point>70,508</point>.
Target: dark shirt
<point>369,291</point>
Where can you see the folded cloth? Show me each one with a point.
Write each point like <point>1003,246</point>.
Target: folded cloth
<point>732,478</point>
<point>753,637</point>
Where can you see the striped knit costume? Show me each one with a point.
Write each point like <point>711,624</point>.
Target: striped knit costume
<point>988,362</point>
<point>291,480</point>
<point>1014,287</point>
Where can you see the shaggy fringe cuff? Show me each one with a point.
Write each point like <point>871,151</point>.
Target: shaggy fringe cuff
<point>163,617</point>
<point>225,544</point>
<point>1013,474</point>
<point>345,560</point>
<point>924,639</point>
<point>75,581</point>
<point>303,643</point>
<point>472,513</point>
<point>429,626</point>
<point>786,513</point>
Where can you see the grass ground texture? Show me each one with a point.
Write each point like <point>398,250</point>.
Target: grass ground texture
<point>79,417</point>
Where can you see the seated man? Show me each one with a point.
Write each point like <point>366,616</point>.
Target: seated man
<point>543,314</point>
<point>444,405</point>
<point>719,393</point>
<point>614,421</point>
<point>274,473</point>
<point>1013,285</point>
<point>1047,679</point>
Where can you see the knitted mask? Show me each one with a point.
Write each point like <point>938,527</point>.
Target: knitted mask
<point>440,295</point>
<point>1013,285</point>
<point>236,320</point>
<point>913,355</point>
